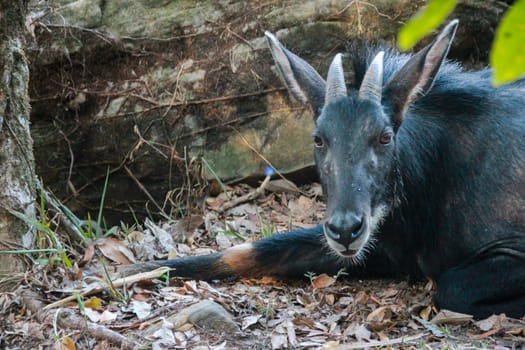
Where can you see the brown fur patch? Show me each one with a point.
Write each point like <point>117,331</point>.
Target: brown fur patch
<point>240,259</point>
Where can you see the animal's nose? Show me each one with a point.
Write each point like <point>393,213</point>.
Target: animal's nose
<point>344,228</point>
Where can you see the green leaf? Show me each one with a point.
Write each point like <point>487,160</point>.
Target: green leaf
<point>423,22</point>
<point>507,56</point>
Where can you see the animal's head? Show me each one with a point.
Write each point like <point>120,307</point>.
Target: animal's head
<point>355,133</point>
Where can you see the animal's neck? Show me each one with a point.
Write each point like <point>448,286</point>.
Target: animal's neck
<point>423,156</point>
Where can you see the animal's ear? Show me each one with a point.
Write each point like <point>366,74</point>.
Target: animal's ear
<point>417,76</point>
<point>301,79</point>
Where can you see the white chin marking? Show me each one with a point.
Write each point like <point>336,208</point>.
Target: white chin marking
<point>377,217</point>
<point>353,249</point>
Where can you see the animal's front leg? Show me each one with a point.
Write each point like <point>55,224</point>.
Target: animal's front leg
<point>488,284</point>
<point>288,255</point>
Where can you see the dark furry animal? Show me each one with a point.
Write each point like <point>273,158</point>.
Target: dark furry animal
<point>423,169</point>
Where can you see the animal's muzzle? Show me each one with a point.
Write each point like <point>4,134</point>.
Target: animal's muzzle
<point>345,229</point>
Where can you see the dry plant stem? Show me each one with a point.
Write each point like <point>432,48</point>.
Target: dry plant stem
<point>246,198</point>
<point>97,287</point>
<point>382,343</point>
<point>68,319</point>
<point>143,189</point>
<point>158,104</point>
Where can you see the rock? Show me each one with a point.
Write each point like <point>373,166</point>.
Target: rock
<point>80,13</point>
<point>206,314</point>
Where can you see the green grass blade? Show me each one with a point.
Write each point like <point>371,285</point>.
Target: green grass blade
<point>31,221</point>
<point>102,199</point>
<point>215,176</point>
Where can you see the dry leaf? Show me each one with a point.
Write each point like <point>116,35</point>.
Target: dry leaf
<point>345,301</point>
<point>164,334</point>
<point>186,228</point>
<point>94,316</point>
<point>108,316</point>
<point>290,331</point>
<point>430,285</point>
<point>413,325</point>
<point>303,321</point>
<point>66,343</point>
<point>388,293</point>
<point>331,344</point>
<point>380,318</point>
<point>450,317</point>
<point>191,286</point>
<point>279,341</point>
<point>378,315</point>
<point>360,332</point>
<point>492,322</point>
<point>140,296</point>
<point>250,320</point>
<point>322,281</point>
<point>382,336</point>
<point>220,346</point>
<point>315,190</point>
<point>163,237</point>
<point>361,298</point>
<point>301,207</point>
<point>223,241</point>
<point>88,254</point>
<point>115,250</point>
<point>140,308</point>
<point>425,313</point>
<point>135,236</point>
<point>281,185</point>
<point>172,254</point>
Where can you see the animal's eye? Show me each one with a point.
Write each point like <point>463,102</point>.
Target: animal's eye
<point>386,137</point>
<point>318,141</point>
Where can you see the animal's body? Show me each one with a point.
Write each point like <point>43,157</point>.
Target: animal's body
<point>423,170</point>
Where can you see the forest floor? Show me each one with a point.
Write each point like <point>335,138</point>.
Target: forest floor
<point>318,312</point>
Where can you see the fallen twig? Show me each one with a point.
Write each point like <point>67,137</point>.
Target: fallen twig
<point>68,319</point>
<point>98,287</point>
<point>375,344</point>
<point>245,198</point>
<point>158,104</point>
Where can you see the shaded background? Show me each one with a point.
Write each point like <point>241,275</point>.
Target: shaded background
<point>148,89</point>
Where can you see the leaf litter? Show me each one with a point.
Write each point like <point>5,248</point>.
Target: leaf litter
<point>319,312</point>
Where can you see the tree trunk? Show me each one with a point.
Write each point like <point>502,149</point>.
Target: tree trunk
<point>17,174</point>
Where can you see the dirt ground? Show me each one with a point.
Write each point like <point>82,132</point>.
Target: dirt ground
<point>318,312</point>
